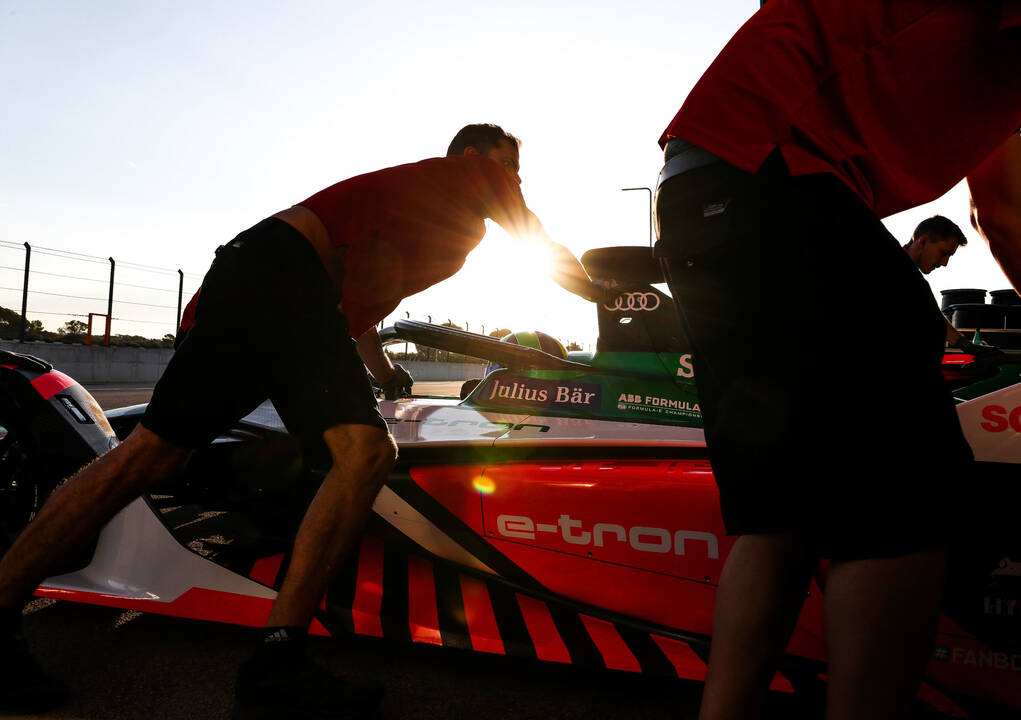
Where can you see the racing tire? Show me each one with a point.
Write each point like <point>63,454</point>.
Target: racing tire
<point>27,476</point>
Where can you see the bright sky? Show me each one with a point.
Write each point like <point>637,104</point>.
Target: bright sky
<point>154,131</point>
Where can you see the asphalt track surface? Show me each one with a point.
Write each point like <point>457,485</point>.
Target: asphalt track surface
<point>132,666</point>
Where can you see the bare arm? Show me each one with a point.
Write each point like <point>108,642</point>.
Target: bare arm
<point>370,349</point>
<point>953,334</point>
<point>566,270</point>
<point>568,273</point>
<point>995,188</point>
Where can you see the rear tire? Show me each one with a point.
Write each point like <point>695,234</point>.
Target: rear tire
<point>27,476</point>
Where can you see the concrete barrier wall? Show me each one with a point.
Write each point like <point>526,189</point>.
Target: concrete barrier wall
<point>96,364</point>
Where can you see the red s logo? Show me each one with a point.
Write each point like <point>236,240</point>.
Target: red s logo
<point>997,419</point>
<point>995,415</point>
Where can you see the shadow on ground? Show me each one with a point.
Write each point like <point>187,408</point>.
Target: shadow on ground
<point>130,666</point>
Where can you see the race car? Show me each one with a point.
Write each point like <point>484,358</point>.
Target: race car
<point>564,510</point>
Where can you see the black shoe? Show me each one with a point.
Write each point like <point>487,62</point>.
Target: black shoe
<point>287,685</point>
<point>24,686</point>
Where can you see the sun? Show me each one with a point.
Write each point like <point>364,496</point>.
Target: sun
<point>505,283</point>
<point>508,281</point>
<point>525,258</point>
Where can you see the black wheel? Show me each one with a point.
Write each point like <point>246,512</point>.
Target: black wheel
<point>26,477</point>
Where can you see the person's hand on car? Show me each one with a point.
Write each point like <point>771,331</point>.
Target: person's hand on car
<point>397,386</point>
<point>606,292</point>
<point>981,351</point>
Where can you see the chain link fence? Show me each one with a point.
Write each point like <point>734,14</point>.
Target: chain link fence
<point>52,294</point>
<point>59,295</point>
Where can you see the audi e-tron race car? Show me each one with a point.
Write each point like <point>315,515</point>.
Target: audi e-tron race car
<point>563,511</point>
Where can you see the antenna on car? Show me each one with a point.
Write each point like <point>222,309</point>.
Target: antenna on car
<point>648,190</point>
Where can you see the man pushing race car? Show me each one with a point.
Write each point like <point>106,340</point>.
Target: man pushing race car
<point>326,271</point>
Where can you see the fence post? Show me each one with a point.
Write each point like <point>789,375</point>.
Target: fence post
<point>109,305</point>
<point>180,294</point>
<point>24,293</point>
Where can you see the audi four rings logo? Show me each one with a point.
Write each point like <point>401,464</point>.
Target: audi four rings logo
<point>635,301</point>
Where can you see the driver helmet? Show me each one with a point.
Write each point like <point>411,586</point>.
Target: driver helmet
<point>533,339</point>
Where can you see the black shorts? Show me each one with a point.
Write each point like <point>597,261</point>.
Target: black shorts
<point>817,347</point>
<point>266,326</point>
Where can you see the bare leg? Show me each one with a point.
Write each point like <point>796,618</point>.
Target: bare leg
<point>362,457</point>
<point>880,616</point>
<point>761,592</point>
<point>76,511</point>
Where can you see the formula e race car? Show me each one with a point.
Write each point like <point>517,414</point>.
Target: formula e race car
<point>564,510</point>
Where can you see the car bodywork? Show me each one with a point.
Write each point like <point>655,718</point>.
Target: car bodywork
<point>564,511</point>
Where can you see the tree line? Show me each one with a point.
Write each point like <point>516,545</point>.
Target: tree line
<point>72,331</point>
<point>75,331</point>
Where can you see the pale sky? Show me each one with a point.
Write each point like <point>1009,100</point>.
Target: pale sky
<point>155,131</point>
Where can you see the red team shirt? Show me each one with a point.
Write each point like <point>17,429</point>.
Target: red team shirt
<point>900,99</point>
<point>408,227</point>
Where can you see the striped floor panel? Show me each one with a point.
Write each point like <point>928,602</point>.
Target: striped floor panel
<point>387,589</point>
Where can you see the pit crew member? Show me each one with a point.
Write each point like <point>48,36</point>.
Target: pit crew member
<point>320,273</point>
<point>931,246</point>
<point>817,119</point>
